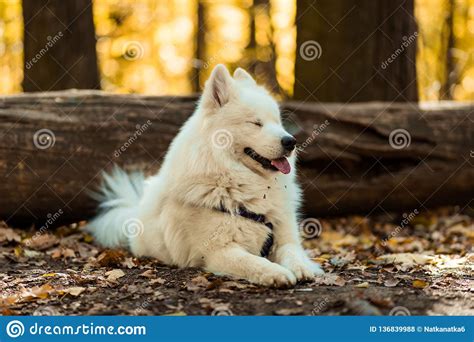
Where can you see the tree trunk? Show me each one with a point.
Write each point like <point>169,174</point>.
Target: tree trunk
<point>59,45</point>
<point>262,59</point>
<point>353,158</point>
<point>446,89</point>
<point>200,51</point>
<point>356,50</point>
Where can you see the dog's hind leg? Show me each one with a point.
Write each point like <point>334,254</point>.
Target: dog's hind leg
<point>235,261</point>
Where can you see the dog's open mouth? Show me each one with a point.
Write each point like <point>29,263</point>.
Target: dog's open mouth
<point>280,164</point>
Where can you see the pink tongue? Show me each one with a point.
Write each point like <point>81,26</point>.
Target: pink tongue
<point>282,165</point>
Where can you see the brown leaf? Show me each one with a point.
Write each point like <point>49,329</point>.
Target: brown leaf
<point>75,291</point>
<point>160,281</point>
<point>148,274</point>
<point>289,311</point>
<point>363,285</point>
<point>330,279</point>
<point>41,242</point>
<point>391,282</point>
<point>198,283</point>
<point>419,284</point>
<point>110,258</point>
<point>114,274</point>
<point>9,235</point>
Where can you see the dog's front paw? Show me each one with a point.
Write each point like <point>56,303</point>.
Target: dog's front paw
<point>275,277</point>
<point>302,267</point>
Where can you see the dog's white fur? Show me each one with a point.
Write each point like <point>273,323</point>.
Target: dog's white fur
<point>175,210</point>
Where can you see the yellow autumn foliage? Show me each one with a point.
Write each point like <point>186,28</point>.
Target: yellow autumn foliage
<point>149,46</point>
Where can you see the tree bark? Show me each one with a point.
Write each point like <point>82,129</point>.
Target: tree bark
<point>59,45</point>
<point>450,79</point>
<point>54,146</point>
<point>356,50</point>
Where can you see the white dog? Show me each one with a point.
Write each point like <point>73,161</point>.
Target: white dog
<point>225,198</point>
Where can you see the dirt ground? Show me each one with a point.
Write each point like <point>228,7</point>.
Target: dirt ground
<point>419,263</point>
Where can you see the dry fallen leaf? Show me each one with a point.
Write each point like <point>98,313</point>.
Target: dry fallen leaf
<point>406,260</point>
<point>330,279</point>
<point>197,284</point>
<point>114,274</point>
<point>148,274</point>
<point>363,285</point>
<point>392,282</point>
<point>8,235</point>
<point>419,284</point>
<point>160,281</point>
<point>110,258</point>
<point>41,242</point>
<point>289,311</point>
<point>75,291</point>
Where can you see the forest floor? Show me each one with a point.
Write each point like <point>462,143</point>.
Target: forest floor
<point>426,267</point>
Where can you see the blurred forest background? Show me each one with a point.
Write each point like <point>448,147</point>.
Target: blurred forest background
<point>156,47</point>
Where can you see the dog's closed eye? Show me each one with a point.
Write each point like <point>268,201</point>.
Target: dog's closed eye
<point>256,123</point>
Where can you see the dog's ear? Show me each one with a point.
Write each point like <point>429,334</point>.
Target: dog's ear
<point>242,75</point>
<point>218,88</point>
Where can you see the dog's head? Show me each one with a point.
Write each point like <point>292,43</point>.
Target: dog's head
<point>243,119</point>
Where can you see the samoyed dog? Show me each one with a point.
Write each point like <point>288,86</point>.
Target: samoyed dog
<point>225,198</point>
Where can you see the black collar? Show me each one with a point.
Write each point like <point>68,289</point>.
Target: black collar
<point>259,218</point>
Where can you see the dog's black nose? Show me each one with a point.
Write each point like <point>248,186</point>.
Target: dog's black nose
<point>288,142</point>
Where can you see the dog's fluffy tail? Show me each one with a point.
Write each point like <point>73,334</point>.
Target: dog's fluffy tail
<point>119,198</point>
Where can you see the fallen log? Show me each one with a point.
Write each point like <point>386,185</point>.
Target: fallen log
<point>354,158</point>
